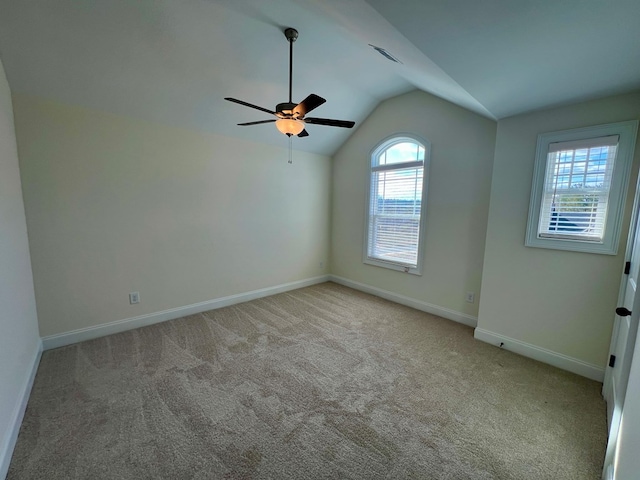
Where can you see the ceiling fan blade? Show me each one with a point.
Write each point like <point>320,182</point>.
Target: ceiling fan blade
<point>256,123</point>
<point>308,104</point>
<point>330,122</point>
<point>303,133</point>
<point>250,105</point>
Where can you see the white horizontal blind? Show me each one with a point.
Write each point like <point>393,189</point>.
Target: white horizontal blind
<point>576,189</point>
<point>395,204</point>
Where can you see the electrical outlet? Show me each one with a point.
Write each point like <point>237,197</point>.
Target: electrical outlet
<point>134,297</point>
<point>321,265</point>
<point>470,297</point>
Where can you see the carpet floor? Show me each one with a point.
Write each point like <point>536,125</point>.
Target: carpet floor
<point>324,382</point>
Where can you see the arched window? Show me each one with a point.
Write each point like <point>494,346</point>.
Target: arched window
<point>396,203</point>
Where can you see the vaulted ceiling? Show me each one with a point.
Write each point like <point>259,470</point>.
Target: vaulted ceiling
<point>174,61</point>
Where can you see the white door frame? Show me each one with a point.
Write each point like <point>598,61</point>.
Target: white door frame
<point>614,417</point>
<point>607,384</point>
<point>626,460</point>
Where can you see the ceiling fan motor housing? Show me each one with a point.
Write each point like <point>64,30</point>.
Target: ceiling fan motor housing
<point>285,110</point>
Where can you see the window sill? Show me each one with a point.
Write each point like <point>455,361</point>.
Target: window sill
<point>399,267</point>
<point>572,245</point>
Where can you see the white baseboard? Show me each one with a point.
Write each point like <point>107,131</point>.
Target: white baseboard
<point>543,355</point>
<point>89,333</point>
<point>408,301</point>
<point>11,435</point>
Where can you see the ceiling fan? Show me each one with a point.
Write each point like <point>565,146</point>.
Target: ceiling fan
<point>290,117</point>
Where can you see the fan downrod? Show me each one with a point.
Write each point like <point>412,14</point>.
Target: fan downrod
<point>292,36</point>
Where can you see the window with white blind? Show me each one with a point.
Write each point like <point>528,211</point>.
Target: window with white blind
<point>396,204</point>
<point>579,188</point>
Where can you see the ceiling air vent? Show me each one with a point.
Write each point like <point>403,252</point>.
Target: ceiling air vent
<point>385,54</point>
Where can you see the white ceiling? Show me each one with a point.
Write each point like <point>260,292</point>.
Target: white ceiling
<point>515,56</point>
<point>173,61</point>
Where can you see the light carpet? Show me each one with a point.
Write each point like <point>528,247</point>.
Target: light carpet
<point>324,382</point>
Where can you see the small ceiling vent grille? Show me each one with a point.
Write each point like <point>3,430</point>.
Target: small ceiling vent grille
<point>385,54</point>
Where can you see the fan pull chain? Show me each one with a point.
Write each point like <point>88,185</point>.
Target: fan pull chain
<point>290,149</point>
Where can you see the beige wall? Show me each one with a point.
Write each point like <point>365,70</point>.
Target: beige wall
<point>116,205</point>
<point>561,301</point>
<point>19,339</point>
<point>462,147</point>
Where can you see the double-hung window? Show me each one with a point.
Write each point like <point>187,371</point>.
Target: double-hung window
<point>579,188</point>
<point>396,204</point>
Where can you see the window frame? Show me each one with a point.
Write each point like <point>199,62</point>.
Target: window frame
<point>617,191</point>
<point>373,161</point>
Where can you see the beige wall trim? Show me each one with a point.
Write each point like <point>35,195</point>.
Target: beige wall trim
<point>408,301</point>
<point>82,334</point>
<point>594,372</point>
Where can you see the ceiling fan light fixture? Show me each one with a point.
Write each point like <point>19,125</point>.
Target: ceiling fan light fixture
<point>289,126</point>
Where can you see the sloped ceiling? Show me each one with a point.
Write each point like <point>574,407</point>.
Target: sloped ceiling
<point>515,56</point>
<point>173,61</point>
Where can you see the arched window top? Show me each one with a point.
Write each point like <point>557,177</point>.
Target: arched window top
<point>400,148</point>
